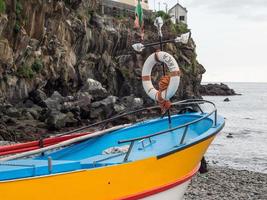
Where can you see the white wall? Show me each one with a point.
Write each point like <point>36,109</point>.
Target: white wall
<point>178,12</point>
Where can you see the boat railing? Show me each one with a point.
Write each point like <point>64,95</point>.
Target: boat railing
<point>181,105</point>
<point>185,126</point>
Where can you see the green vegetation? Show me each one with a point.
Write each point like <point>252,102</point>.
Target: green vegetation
<point>2,6</point>
<point>165,16</point>
<point>18,12</point>
<point>25,71</point>
<point>29,72</point>
<point>37,66</point>
<point>19,9</point>
<point>17,27</point>
<point>179,28</point>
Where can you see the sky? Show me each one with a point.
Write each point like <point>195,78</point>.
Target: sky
<point>231,37</point>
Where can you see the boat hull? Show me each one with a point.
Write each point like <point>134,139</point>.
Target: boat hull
<point>175,193</point>
<point>123,181</point>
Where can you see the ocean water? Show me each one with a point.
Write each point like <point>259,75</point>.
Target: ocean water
<point>246,120</point>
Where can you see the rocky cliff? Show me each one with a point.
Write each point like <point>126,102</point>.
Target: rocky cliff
<point>64,64</point>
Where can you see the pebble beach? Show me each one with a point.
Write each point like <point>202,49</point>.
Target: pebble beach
<point>222,183</point>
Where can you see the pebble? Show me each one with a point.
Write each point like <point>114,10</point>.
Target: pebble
<point>228,184</point>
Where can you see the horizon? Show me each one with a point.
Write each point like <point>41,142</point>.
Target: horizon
<point>226,43</point>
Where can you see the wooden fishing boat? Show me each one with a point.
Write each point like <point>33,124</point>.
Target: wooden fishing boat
<point>146,160</point>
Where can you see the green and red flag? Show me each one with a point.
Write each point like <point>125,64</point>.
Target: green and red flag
<point>139,22</point>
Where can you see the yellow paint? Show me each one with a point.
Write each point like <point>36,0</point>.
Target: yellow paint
<point>107,183</point>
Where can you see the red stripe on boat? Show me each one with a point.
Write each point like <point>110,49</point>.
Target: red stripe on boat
<point>28,146</point>
<point>162,188</point>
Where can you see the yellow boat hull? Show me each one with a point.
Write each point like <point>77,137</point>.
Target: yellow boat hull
<point>133,180</point>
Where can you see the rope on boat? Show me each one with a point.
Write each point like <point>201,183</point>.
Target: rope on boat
<point>163,85</point>
<point>65,143</point>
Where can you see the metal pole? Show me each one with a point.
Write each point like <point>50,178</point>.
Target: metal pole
<point>166,7</point>
<point>164,73</point>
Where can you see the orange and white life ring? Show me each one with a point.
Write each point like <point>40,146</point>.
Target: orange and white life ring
<point>173,67</point>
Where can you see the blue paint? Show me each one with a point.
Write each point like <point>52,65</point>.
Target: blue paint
<point>88,154</point>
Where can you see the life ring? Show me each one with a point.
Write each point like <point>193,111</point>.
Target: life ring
<point>173,67</point>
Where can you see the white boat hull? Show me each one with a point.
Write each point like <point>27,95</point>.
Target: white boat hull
<point>175,193</point>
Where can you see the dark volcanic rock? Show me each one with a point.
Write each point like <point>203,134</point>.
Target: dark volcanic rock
<point>58,120</point>
<point>216,90</point>
<point>38,97</point>
<point>226,100</point>
<point>95,88</point>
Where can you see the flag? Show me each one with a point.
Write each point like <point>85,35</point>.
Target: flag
<point>139,22</point>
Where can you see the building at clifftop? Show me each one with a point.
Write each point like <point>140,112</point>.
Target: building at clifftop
<point>134,2</point>
<point>123,7</point>
<point>178,13</point>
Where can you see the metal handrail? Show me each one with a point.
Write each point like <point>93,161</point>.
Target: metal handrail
<point>169,130</point>
<point>186,125</point>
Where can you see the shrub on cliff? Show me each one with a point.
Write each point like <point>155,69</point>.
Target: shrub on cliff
<point>179,28</point>
<point>162,14</point>
<point>37,66</point>
<point>25,71</point>
<point>2,6</point>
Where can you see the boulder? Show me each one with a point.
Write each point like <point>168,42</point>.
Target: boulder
<point>95,89</point>
<point>103,109</point>
<point>132,102</point>
<point>111,100</point>
<point>55,101</point>
<point>38,97</point>
<point>226,100</point>
<point>58,120</point>
<point>13,112</point>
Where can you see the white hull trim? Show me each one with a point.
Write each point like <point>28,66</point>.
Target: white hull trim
<point>175,193</point>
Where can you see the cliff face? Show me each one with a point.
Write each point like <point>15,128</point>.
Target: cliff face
<point>84,60</point>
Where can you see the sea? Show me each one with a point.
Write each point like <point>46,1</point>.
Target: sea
<point>243,142</point>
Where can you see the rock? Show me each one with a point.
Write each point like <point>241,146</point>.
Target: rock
<point>204,166</point>
<point>56,96</point>
<point>6,53</point>
<point>38,97</point>
<point>84,99</point>
<point>13,112</point>
<point>103,109</point>
<point>95,89</point>
<point>226,100</point>
<point>28,103</point>
<point>216,90</point>
<point>132,102</point>
<point>119,108</point>
<point>53,104</point>
<point>111,100</point>
<point>230,135</point>
<point>58,120</point>
<point>55,101</point>
<point>98,21</point>
<point>35,111</point>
